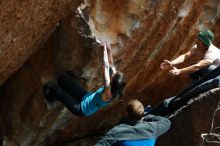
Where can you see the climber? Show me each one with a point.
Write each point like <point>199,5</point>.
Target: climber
<point>208,58</point>
<point>83,103</point>
<point>136,130</point>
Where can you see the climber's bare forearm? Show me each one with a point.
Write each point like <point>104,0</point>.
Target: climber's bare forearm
<point>182,58</point>
<point>105,64</point>
<point>195,67</point>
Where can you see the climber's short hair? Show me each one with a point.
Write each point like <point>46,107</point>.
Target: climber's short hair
<point>118,83</point>
<point>135,110</point>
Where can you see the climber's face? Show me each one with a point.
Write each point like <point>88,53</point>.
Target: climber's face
<point>201,46</point>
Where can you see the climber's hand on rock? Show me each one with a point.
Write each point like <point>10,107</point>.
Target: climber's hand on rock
<point>99,41</point>
<point>104,46</point>
<point>108,46</point>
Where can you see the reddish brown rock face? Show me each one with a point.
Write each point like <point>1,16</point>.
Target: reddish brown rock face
<point>25,27</point>
<point>142,33</point>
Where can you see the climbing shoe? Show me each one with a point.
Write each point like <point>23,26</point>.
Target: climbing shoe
<point>49,89</point>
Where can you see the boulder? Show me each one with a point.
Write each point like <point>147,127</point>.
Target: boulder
<point>42,39</point>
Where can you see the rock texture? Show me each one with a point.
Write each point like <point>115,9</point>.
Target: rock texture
<point>33,47</point>
<point>195,119</point>
<point>25,27</point>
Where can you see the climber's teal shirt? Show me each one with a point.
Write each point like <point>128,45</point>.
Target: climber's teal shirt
<point>92,102</point>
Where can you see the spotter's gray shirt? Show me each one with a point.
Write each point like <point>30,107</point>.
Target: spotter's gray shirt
<point>139,133</point>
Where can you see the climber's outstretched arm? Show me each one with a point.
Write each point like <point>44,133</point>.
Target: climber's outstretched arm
<point>106,77</point>
<point>105,66</point>
<point>111,63</point>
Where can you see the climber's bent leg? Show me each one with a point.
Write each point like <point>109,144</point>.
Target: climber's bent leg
<point>71,103</point>
<point>70,86</point>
